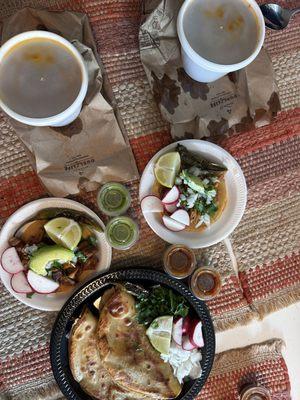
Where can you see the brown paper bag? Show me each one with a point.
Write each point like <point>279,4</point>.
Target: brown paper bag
<point>92,149</point>
<point>239,101</point>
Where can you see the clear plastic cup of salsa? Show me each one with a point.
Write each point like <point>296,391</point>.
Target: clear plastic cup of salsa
<point>205,283</point>
<point>179,261</point>
<point>122,232</point>
<point>113,199</point>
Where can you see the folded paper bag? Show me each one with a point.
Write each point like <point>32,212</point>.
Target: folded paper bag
<point>239,101</point>
<point>92,149</point>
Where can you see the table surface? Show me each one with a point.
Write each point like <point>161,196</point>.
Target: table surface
<point>144,125</point>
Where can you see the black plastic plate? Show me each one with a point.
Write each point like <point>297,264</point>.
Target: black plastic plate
<point>86,295</point>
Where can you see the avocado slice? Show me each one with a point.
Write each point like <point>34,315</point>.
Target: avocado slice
<point>46,254</point>
<point>193,182</point>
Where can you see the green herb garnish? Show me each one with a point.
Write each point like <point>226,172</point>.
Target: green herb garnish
<point>92,241</point>
<point>29,295</point>
<point>211,209</point>
<point>56,265</point>
<point>189,159</point>
<point>159,302</point>
<point>81,257</point>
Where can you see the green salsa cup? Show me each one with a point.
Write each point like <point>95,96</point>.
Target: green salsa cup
<point>113,199</point>
<point>122,233</point>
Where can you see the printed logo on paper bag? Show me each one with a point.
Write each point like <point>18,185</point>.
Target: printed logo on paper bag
<point>223,101</point>
<point>78,164</point>
<point>148,41</point>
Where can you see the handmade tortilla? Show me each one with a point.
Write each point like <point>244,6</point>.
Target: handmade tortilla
<point>126,351</point>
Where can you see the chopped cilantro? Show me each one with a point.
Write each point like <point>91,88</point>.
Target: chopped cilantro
<point>29,295</point>
<point>92,241</point>
<point>159,302</point>
<point>56,265</point>
<point>211,209</point>
<point>81,257</point>
<point>199,206</point>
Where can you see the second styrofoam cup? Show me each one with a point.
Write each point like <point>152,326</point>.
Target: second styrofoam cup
<point>203,70</point>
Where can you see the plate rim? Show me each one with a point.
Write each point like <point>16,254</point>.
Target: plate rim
<point>243,201</point>
<point>90,288</point>
<point>37,202</point>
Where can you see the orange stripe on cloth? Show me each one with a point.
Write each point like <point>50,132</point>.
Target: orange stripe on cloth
<point>145,147</point>
<point>26,367</point>
<point>271,161</point>
<point>104,11</point>
<point>263,281</point>
<point>285,126</point>
<point>274,189</point>
<point>19,190</point>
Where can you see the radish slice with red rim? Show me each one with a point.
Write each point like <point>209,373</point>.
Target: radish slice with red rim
<point>187,344</point>
<point>152,204</point>
<point>20,284</point>
<point>186,325</point>
<point>181,216</point>
<point>11,262</point>
<point>195,334</point>
<point>177,331</point>
<point>40,284</point>
<point>171,208</point>
<point>172,196</point>
<point>172,225</point>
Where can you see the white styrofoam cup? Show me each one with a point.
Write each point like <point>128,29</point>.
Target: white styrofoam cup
<point>202,70</point>
<point>72,112</point>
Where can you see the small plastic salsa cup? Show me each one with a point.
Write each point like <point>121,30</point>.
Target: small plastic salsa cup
<point>122,233</point>
<point>205,283</point>
<point>179,261</point>
<point>113,199</point>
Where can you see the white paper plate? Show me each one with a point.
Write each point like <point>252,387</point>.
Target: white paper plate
<point>236,203</point>
<point>50,302</point>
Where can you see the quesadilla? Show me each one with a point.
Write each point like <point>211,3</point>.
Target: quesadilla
<point>86,365</point>
<point>126,352</point>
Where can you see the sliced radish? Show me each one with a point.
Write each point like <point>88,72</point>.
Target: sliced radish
<point>152,204</point>
<point>172,196</point>
<point>172,225</point>
<point>195,334</point>
<point>20,284</point>
<point>186,325</point>
<point>40,284</point>
<point>181,216</point>
<point>11,262</point>
<point>177,331</point>
<point>187,344</point>
<point>170,208</point>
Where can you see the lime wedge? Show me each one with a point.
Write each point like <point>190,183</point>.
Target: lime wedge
<point>159,334</point>
<point>97,302</point>
<point>64,231</point>
<point>166,168</point>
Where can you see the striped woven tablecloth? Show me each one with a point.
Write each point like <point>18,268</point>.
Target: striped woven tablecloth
<point>266,243</point>
<point>255,365</point>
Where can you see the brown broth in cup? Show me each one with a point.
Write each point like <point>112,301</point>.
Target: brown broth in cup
<point>205,283</point>
<point>222,31</point>
<point>179,261</point>
<point>39,78</point>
